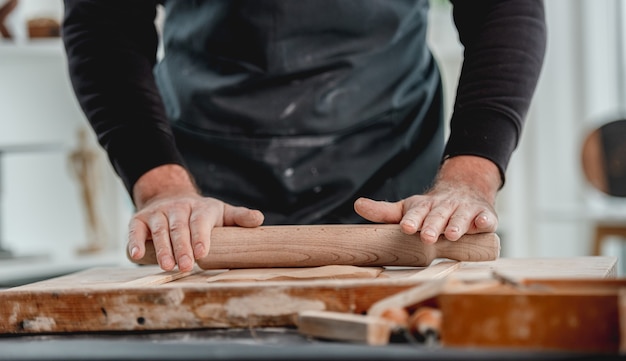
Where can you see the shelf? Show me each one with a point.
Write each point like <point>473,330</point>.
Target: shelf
<point>38,47</point>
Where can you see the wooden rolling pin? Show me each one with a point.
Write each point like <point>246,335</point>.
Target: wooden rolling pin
<point>319,245</point>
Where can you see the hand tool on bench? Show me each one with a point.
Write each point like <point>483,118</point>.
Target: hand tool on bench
<point>320,245</point>
<point>383,317</point>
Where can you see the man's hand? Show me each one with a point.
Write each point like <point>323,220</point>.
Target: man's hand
<point>178,219</point>
<point>461,201</point>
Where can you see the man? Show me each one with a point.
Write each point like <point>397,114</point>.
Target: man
<point>314,111</point>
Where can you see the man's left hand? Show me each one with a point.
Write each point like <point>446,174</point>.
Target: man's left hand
<point>461,201</point>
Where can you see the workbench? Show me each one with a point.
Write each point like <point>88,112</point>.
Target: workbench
<point>260,341</point>
<point>249,344</point>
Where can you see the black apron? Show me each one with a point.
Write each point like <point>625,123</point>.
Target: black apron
<point>297,108</point>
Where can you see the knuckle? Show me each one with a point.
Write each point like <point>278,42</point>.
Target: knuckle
<point>197,236</point>
<point>177,228</point>
<point>132,232</point>
<point>460,217</point>
<point>179,249</point>
<point>421,205</point>
<point>159,230</point>
<point>195,218</point>
<point>447,204</point>
<point>437,215</point>
<point>134,224</point>
<point>161,251</point>
<point>418,210</point>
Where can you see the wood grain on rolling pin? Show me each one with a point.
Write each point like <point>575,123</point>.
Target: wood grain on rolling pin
<point>319,245</point>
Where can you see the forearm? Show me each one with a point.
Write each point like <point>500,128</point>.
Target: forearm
<point>111,50</point>
<point>504,44</point>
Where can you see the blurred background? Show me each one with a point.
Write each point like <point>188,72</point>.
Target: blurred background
<point>547,207</point>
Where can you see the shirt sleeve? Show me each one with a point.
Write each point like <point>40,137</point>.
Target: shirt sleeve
<point>504,46</point>
<point>111,51</point>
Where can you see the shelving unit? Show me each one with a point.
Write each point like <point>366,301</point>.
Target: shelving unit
<point>42,224</point>
<point>38,47</point>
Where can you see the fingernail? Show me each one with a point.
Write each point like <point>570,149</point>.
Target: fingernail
<point>134,251</point>
<point>430,233</point>
<point>167,262</point>
<point>408,223</point>
<point>184,262</point>
<point>453,229</point>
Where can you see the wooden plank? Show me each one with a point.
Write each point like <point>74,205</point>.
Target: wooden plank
<point>373,328</point>
<point>187,306</point>
<point>622,319</point>
<point>392,310</point>
<point>341,326</point>
<point>553,316</point>
<point>437,270</point>
<point>97,300</point>
<point>538,268</point>
<point>93,278</point>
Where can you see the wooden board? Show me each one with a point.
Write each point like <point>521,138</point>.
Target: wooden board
<point>559,315</point>
<point>143,298</point>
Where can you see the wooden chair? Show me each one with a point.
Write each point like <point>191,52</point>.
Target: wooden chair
<point>604,166</point>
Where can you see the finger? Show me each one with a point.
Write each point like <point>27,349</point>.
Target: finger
<point>460,223</point>
<point>180,238</point>
<point>416,210</point>
<point>378,211</point>
<point>242,216</point>
<point>159,228</point>
<point>486,222</point>
<point>201,222</point>
<point>137,236</point>
<point>435,223</point>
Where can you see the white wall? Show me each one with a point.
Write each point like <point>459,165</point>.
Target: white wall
<point>41,209</point>
<point>542,208</point>
<point>544,204</point>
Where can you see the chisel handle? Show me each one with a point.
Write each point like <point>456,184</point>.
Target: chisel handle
<point>320,245</point>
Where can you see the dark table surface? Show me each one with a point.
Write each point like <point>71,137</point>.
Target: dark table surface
<point>248,344</point>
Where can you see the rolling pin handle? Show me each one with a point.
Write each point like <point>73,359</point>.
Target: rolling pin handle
<point>471,247</point>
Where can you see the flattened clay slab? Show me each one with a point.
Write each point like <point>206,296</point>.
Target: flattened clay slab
<point>306,273</point>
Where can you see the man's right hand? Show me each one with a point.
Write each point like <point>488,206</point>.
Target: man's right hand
<point>177,219</point>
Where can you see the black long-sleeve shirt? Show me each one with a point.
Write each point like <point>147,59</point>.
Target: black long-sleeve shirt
<point>296,107</point>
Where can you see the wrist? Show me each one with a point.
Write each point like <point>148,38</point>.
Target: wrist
<point>162,180</point>
<point>475,172</point>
